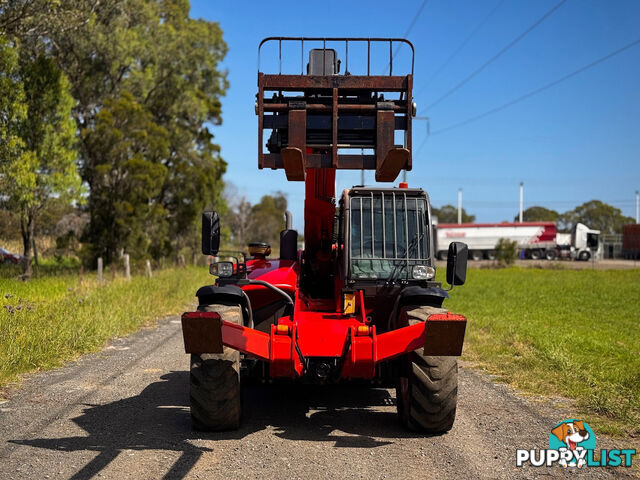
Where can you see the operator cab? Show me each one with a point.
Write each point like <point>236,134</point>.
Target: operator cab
<point>385,236</point>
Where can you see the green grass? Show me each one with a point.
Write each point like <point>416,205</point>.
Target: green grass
<point>46,267</point>
<point>50,320</point>
<point>575,334</point>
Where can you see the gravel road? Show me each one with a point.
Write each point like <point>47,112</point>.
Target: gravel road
<point>123,413</point>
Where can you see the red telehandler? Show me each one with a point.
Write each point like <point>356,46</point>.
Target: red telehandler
<point>359,301</point>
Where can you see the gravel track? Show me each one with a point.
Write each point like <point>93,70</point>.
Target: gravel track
<point>123,413</point>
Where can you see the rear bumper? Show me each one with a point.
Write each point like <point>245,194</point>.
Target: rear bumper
<point>439,335</point>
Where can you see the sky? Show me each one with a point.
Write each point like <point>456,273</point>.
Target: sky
<point>576,141</point>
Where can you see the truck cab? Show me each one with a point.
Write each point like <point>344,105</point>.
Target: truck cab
<point>586,242</point>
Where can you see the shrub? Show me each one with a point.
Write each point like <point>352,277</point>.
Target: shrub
<point>506,251</point>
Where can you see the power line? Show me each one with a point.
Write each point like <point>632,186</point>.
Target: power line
<point>537,90</point>
<point>421,146</point>
<point>497,55</point>
<point>460,47</point>
<point>406,34</point>
<point>415,19</point>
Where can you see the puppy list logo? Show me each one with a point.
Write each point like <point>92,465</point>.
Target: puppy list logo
<point>572,439</point>
<point>572,444</point>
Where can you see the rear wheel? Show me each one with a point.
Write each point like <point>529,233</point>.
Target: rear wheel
<point>427,390</point>
<point>550,254</point>
<point>535,255</point>
<point>584,256</point>
<point>476,255</point>
<point>491,255</point>
<point>215,381</point>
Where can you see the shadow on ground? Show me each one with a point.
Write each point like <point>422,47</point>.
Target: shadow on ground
<point>158,419</point>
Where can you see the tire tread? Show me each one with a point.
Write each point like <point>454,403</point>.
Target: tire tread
<point>215,382</point>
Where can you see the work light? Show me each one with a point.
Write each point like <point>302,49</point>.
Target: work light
<point>221,269</point>
<point>423,272</point>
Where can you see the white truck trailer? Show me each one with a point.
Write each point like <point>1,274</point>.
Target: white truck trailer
<point>535,240</point>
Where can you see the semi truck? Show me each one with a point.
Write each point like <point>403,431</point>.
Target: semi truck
<point>535,240</point>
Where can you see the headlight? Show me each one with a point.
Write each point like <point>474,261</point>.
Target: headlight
<point>221,269</point>
<point>423,272</point>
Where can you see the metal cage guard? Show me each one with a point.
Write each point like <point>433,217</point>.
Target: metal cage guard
<point>324,41</point>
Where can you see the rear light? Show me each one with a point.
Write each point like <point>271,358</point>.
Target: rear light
<point>423,272</point>
<point>403,185</point>
<point>221,269</point>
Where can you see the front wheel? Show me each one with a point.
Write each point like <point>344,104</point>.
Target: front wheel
<point>215,382</point>
<point>584,256</point>
<point>427,389</point>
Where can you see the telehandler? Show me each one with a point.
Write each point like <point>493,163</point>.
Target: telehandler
<point>359,301</point>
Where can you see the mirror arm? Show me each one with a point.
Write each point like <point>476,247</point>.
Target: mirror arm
<point>451,285</point>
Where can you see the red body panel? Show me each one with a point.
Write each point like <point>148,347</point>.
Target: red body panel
<point>335,335</point>
<point>279,273</point>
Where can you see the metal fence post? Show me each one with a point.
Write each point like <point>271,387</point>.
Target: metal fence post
<point>99,270</point>
<point>127,268</point>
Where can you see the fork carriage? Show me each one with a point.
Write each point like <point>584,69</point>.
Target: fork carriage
<point>318,113</point>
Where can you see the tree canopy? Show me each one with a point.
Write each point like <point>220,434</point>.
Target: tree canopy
<point>260,222</point>
<point>145,88</point>
<point>449,214</point>
<point>597,215</point>
<point>538,214</point>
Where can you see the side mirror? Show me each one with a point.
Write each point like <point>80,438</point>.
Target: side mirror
<point>210,233</point>
<point>457,263</point>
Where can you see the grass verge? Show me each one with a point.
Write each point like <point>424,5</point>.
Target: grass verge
<point>50,320</point>
<point>570,333</point>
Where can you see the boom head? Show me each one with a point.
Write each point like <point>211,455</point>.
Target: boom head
<point>318,115</point>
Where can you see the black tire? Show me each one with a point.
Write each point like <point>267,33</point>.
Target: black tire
<point>215,382</point>
<point>584,256</point>
<point>550,255</point>
<point>443,254</point>
<point>491,255</point>
<point>427,390</point>
<point>476,255</point>
<point>535,255</point>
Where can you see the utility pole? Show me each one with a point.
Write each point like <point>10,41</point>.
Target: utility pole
<point>521,199</point>
<point>459,206</point>
<point>637,206</point>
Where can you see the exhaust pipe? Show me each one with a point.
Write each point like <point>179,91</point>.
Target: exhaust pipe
<point>288,220</point>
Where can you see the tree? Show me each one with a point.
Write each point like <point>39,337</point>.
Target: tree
<point>126,180</point>
<point>597,215</point>
<point>538,214</point>
<point>267,219</point>
<point>12,106</point>
<point>449,214</point>
<point>236,222</point>
<point>45,167</point>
